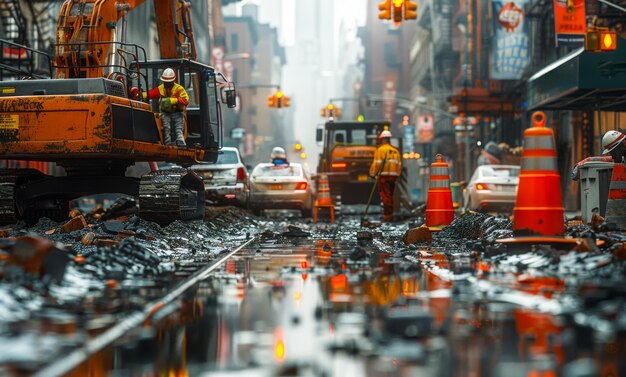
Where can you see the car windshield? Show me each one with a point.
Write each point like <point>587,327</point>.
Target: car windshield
<point>227,157</point>
<point>277,171</point>
<point>504,172</point>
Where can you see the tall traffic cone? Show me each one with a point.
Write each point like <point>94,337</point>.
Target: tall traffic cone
<point>539,204</point>
<point>439,210</point>
<point>323,198</point>
<point>616,204</point>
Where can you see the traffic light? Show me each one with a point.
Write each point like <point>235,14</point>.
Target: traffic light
<point>297,147</point>
<point>271,101</point>
<point>410,10</point>
<point>286,101</point>
<point>279,99</point>
<point>385,10</point>
<point>323,112</point>
<point>397,10</point>
<point>600,40</point>
<point>570,6</point>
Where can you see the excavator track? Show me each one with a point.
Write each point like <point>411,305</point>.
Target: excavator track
<point>14,207</point>
<point>172,194</point>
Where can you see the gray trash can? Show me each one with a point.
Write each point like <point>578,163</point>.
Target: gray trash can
<point>595,178</point>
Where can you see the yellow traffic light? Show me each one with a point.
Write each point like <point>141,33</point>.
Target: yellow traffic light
<point>303,155</point>
<point>608,41</point>
<point>360,118</point>
<point>271,101</point>
<point>330,107</point>
<point>410,10</point>
<point>385,10</point>
<point>279,94</point>
<point>397,10</point>
<point>298,147</point>
<point>600,40</point>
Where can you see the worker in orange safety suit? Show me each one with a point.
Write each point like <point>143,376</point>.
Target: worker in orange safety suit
<point>173,99</point>
<point>386,168</point>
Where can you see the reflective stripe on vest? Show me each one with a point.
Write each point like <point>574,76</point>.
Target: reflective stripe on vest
<point>539,163</point>
<point>539,142</point>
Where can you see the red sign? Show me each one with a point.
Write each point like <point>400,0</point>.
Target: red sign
<point>569,22</point>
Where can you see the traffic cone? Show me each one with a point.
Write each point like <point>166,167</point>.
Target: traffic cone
<point>539,205</point>
<point>439,210</point>
<point>616,204</point>
<point>323,198</point>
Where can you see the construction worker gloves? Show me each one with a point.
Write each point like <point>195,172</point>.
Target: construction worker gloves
<point>168,104</point>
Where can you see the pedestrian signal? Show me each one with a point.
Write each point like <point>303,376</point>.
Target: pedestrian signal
<point>410,10</point>
<point>385,10</point>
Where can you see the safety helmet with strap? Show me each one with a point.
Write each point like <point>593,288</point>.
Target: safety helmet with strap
<point>611,140</point>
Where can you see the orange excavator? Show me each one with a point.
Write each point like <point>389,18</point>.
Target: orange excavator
<point>86,121</point>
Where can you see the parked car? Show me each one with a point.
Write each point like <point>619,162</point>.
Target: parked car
<point>281,186</point>
<point>492,188</point>
<point>226,181</point>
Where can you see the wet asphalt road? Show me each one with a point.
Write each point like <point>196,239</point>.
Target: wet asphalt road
<point>342,300</point>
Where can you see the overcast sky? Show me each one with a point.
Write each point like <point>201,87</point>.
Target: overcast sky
<point>351,12</point>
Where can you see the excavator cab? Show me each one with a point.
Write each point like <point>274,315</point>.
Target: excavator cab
<point>203,115</point>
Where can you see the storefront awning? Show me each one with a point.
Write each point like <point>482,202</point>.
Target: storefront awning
<point>582,80</point>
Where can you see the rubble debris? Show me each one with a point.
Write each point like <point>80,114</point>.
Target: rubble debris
<point>76,223</point>
<point>295,231</point>
<point>474,225</point>
<point>358,253</point>
<point>417,235</point>
<point>363,235</point>
<point>88,238</point>
<point>408,322</point>
<point>123,206</point>
<point>113,226</point>
<point>38,257</point>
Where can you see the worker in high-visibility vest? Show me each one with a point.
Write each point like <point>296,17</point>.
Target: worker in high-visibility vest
<point>386,168</point>
<point>173,100</point>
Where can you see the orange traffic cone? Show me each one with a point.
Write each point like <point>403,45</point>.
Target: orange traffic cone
<point>539,205</point>
<point>323,198</point>
<point>616,204</point>
<point>439,210</point>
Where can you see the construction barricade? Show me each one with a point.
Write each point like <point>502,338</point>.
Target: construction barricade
<point>539,204</point>
<point>439,209</point>
<point>323,198</point>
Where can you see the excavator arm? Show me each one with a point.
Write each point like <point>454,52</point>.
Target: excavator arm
<point>91,35</point>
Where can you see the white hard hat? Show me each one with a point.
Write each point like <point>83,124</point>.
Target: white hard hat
<point>168,75</point>
<point>611,140</point>
<point>385,133</point>
<point>278,152</point>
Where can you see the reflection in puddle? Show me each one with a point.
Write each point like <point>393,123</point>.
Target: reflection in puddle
<point>312,310</point>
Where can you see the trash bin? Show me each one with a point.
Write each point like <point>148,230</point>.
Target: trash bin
<point>595,178</point>
<point>456,194</point>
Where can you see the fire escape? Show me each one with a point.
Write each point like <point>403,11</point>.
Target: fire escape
<point>24,27</point>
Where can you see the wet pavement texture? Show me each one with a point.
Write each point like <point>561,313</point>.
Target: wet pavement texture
<point>323,299</point>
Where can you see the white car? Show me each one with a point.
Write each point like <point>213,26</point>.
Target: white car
<point>492,188</point>
<point>226,181</point>
<point>280,186</point>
